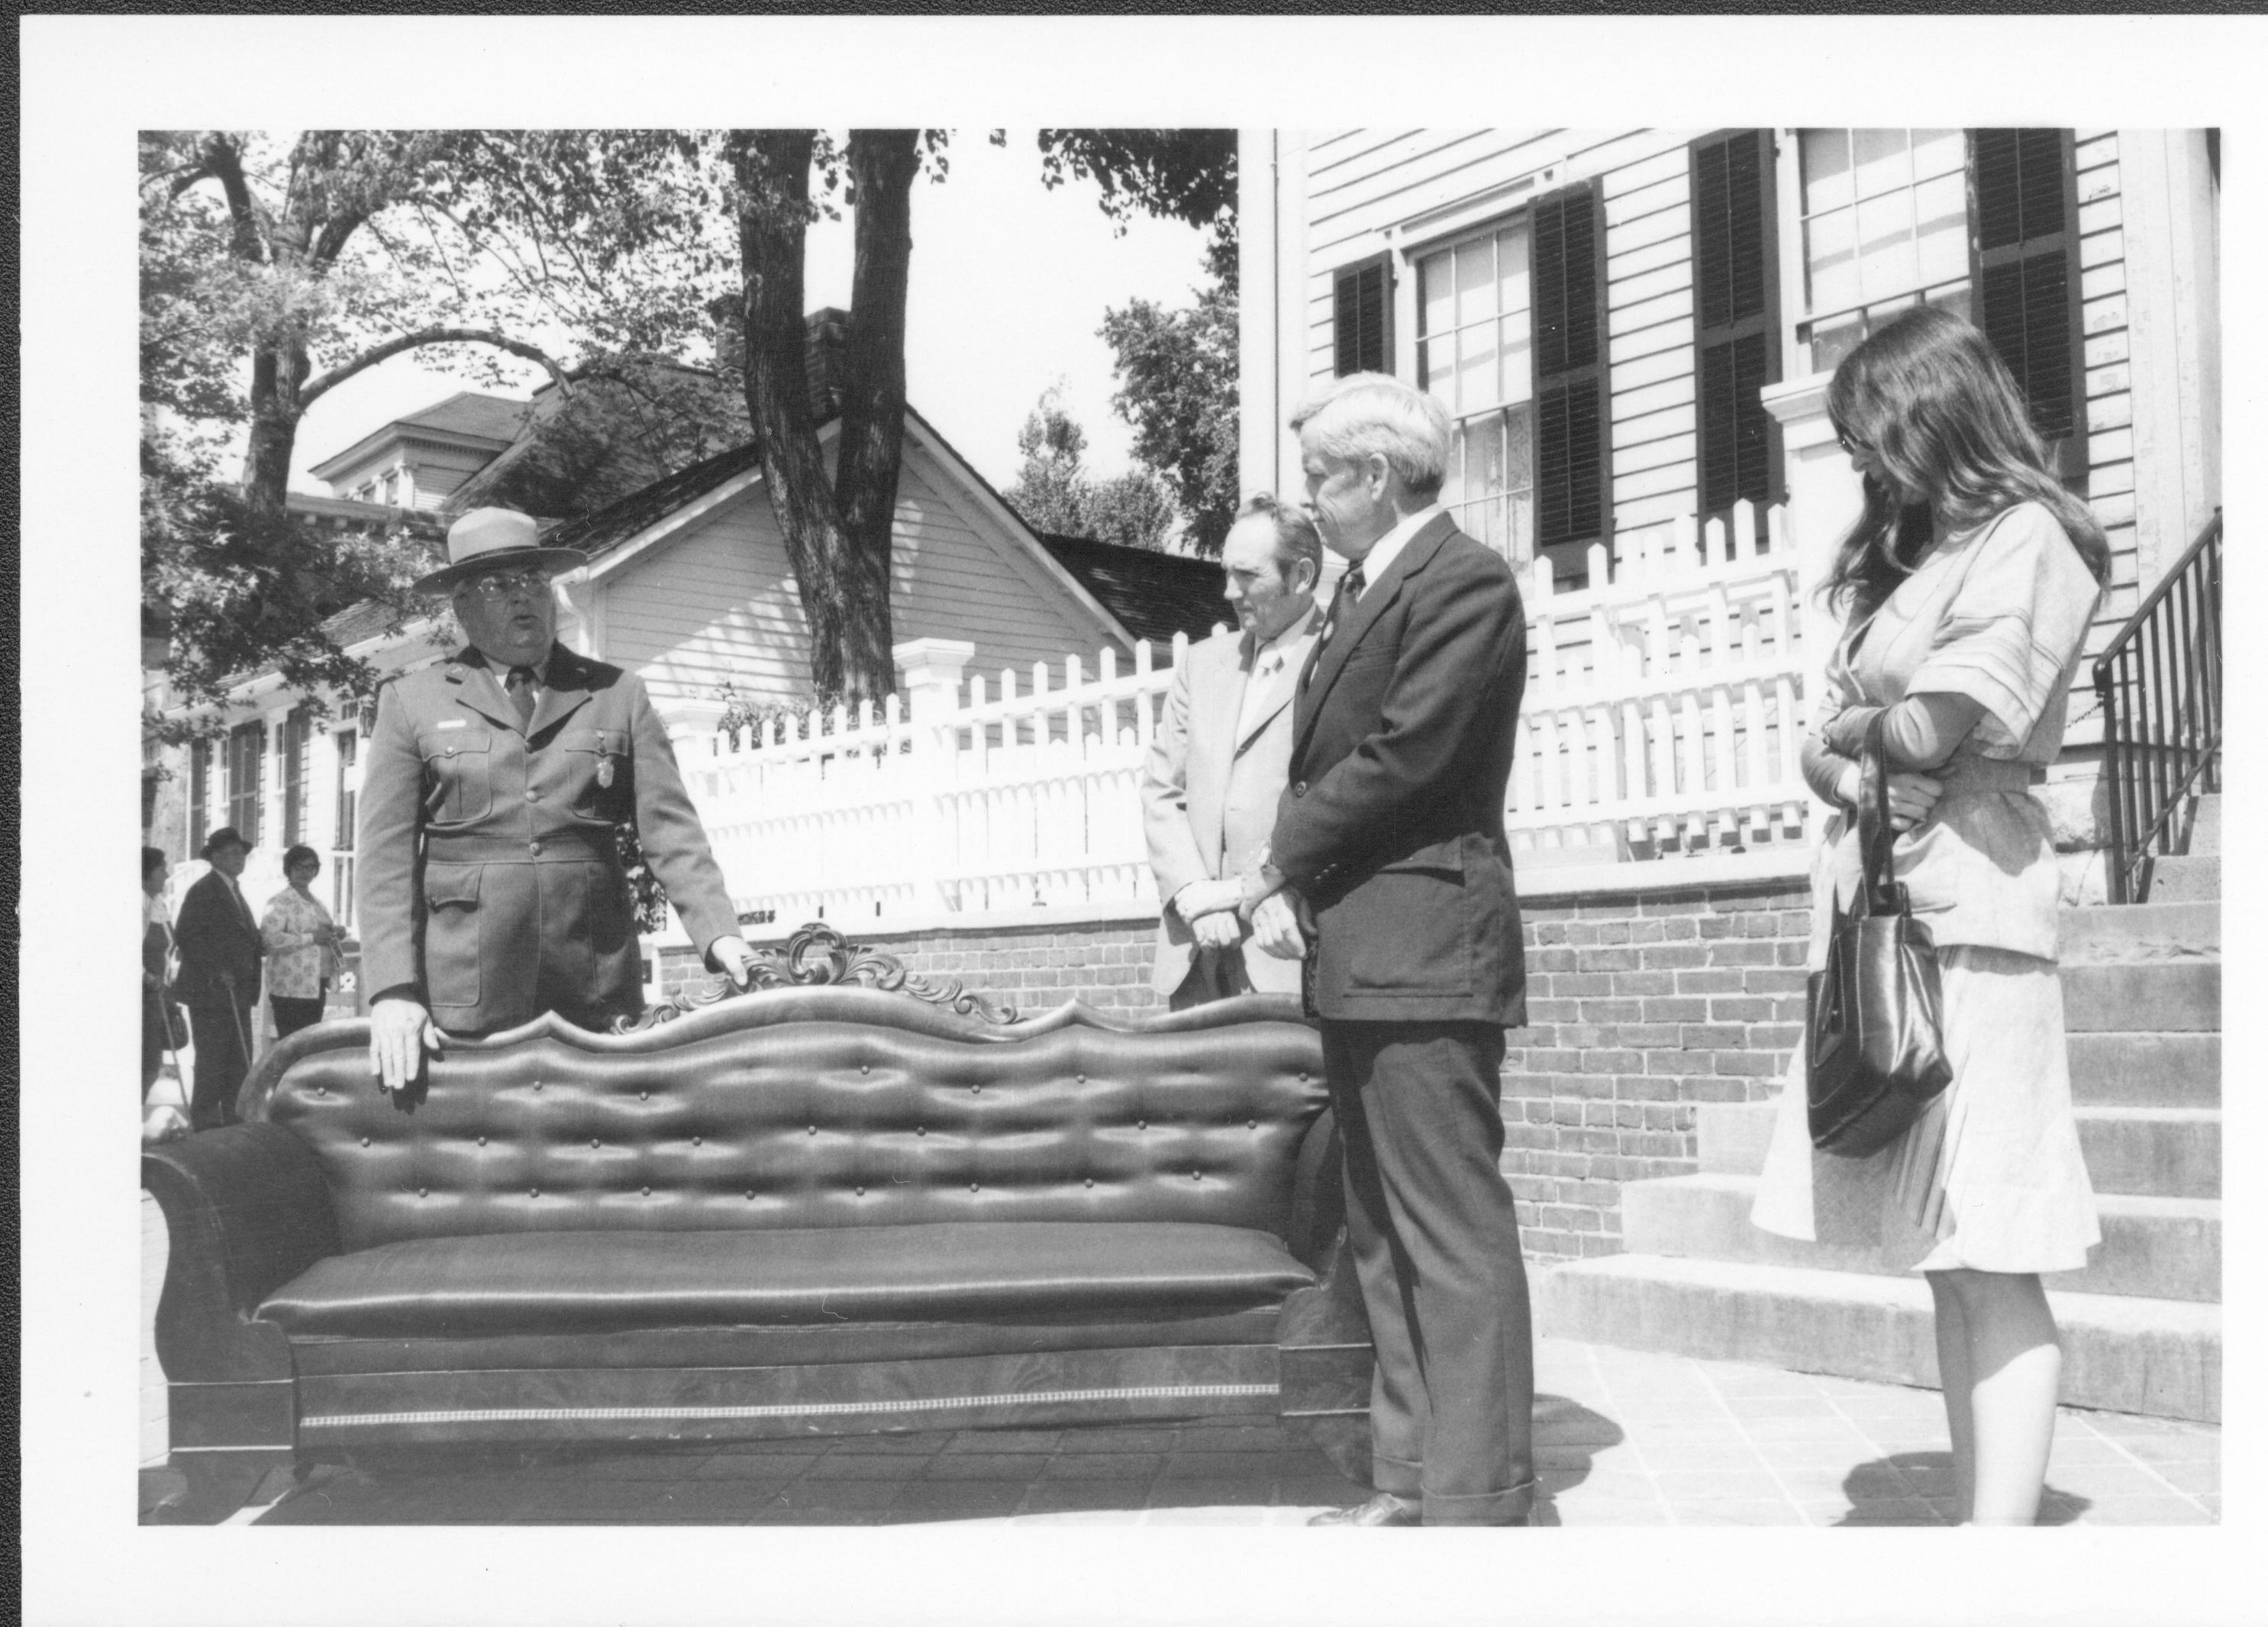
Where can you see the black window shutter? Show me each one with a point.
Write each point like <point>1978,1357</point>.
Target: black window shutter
<point>1567,253</point>
<point>1359,320</point>
<point>2024,266</point>
<point>1736,339</point>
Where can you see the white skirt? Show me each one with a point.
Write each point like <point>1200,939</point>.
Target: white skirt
<point>1991,1177</point>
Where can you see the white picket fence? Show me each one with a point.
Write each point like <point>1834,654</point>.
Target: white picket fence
<point>1662,714</point>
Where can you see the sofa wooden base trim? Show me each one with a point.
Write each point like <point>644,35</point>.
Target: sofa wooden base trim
<point>519,1415</point>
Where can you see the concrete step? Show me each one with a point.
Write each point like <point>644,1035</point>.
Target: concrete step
<point>2123,1354</point>
<point>2143,997</point>
<point>2185,880</point>
<point>2158,930</point>
<point>2145,1070</point>
<point>2163,1248</point>
<point>2144,1151</point>
<point>2205,826</point>
<point>2151,1152</point>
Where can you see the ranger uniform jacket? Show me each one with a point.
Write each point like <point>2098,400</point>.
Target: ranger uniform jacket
<point>486,877</point>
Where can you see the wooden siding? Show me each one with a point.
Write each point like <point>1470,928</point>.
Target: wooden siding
<point>716,604</point>
<point>1361,182</point>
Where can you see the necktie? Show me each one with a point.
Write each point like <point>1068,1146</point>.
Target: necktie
<point>1343,603</point>
<point>519,683</point>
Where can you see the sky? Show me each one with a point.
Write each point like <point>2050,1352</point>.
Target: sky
<point>1008,284</point>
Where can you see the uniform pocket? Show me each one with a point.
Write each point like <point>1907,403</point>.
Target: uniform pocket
<point>599,772</point>
<point>452,934</point>
<point>457,789</point>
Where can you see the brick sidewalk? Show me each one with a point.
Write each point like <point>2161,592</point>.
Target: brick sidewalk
<point>1623,1439</point>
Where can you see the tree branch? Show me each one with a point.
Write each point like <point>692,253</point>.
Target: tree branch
<point>391,348</point>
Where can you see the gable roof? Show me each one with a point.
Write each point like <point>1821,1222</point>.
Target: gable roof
<point>624,518</point>
<point>1154,594</point>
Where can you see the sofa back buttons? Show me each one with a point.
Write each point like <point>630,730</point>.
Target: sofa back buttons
<point>1141,1123</point>
<point>645,1191</point>
<point>859,1192</point>
<point>535,1191</point>
<point>481,1140</point>
<point>697,1141</point>
<point>421,1191</point>
<point>920,1129</point>
<point>1252,1123</point>
<point>862,1067</point>
<point>366,1141</point>
<point>1090,1181</point>
<point>642,1095</point>
<point>811,1129</point>
<point>1082,1078</point>
<point>972,1186</point>
<point>594,1141</point>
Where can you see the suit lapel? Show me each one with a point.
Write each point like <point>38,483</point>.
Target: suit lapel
<point>1330,658</point>
<point>1277,690</point>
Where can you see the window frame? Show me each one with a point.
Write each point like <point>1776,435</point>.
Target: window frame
<point>1804,319</point>
<point>200,819</point>
<point>1447,244</point>
<point>248,743</point>
<point>346,752</point>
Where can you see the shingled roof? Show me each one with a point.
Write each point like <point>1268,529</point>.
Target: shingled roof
<point>1153,595</point>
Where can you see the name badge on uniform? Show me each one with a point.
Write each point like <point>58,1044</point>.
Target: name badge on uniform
<point>605,773</point>
<point>449,723</point>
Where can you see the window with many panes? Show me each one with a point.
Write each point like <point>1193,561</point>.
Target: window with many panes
<point>1511,339</point>
<point>1474,332</point>
<point>1983,223</point>
<point>1885,222</point>
<point>247,753</point>
<point>297,732</point>
<point>342,828</point>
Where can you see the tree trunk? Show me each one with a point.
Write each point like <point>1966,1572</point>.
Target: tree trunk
<point>278,368</point>
<point>772,169</point>
<point>883,165</point>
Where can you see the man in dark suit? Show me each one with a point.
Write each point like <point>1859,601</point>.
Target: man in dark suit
<point>1396,884</point>
<point>488,885</point>
<point>218,943</point>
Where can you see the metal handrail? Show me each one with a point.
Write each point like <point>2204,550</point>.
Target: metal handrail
<point>2159,681</point>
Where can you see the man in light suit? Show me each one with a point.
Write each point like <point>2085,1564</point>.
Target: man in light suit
<point>1396,880</point>
<point>489,887</point>
<point>1217,765</point>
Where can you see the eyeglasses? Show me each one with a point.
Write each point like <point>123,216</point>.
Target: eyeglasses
<point>494,587</point>
<point>1852,448</point>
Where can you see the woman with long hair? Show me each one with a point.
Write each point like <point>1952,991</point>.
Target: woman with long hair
<point>1966,588</point>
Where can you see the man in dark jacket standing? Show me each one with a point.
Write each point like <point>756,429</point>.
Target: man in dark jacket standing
<point>218,942</point>
<point>1397,883</point>
<point>488,884</point>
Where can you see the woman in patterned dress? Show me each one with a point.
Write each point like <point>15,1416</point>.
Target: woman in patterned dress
<point>1967,586</point>
<point>302,944</point>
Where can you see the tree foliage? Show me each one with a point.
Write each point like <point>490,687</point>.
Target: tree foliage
<point>1177,386</point>
<point>1188,175</point>
<point>273,271</point>
<point>1054,492</point>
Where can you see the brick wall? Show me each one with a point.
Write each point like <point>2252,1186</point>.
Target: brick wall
<point>1033,968</point>
<point>1640,1005</point>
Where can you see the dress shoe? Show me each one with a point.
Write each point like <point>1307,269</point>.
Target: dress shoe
<point>1384,1508</point>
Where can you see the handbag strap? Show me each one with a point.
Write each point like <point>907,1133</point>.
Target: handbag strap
<point>1879,892</point>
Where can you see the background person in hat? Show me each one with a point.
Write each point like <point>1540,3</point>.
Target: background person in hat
<point>488,887</point>
<point>218,943</point>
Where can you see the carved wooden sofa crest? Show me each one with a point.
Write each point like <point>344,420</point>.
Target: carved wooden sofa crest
<point>845,1202</point>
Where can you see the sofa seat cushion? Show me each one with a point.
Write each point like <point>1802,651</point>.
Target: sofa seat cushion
<point>591,1281</point>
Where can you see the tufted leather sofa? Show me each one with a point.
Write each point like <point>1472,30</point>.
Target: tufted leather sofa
<point>802,1210</point>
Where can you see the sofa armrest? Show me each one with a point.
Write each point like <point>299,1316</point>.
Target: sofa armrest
<point>246,1211</point>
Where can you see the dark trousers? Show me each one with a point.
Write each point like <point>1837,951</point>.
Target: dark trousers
<point>222,1032</point>
<point>291,1015</point>
<point>1214,975</point>
<point>1436,1249</point>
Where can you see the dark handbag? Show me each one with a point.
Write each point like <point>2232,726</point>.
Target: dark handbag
<point>1874,1040</point>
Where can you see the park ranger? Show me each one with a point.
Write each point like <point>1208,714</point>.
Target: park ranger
<point>488,885</point>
